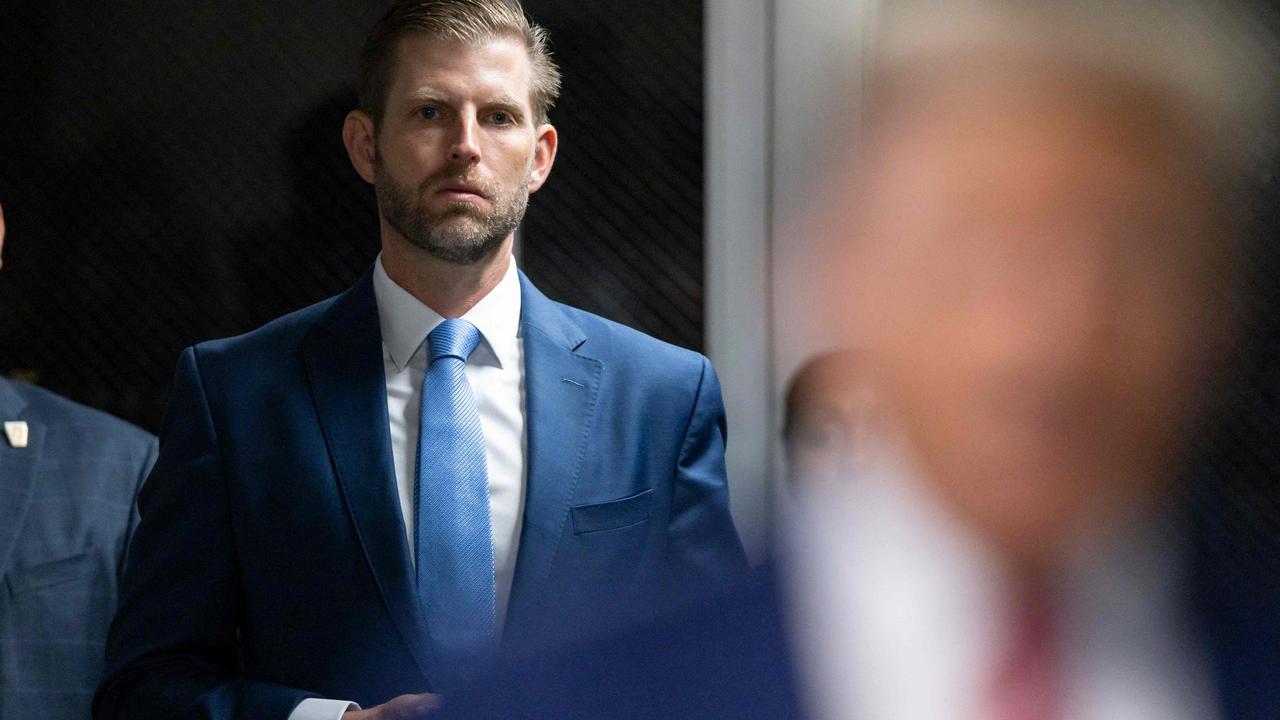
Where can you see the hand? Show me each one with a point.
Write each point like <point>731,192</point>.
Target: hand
<point>405,707</point>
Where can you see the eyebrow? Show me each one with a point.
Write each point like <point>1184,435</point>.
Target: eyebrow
<point>427,94</point>
<point>504,100</point>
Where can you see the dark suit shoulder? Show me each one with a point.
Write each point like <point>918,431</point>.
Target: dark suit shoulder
<point>55,411</point>
<point>281,335</point>
<point>613,341</point>
<point>84,452</point>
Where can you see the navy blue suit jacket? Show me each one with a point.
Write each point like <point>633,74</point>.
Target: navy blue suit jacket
<point>731,657</point>
<point>66,508</point>
<point>271,562</point>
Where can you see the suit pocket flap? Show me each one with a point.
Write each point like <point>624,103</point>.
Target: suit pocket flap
<point>49,574</point>
<point>614,514</point>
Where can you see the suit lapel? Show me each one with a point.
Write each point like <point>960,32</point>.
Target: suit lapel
<point>343,358</point>
<point>17,472</point>
<point>561,387</point>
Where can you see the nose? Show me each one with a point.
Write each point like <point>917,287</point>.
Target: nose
<point>465,148</point>
<point>1055,312</point>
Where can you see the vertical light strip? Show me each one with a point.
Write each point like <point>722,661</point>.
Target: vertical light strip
<point>738,185</point>
<point>820,52</point>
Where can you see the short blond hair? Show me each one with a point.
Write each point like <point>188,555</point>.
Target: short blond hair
<point>460,20</point>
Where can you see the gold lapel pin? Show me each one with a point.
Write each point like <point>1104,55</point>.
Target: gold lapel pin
<point>17,432</point>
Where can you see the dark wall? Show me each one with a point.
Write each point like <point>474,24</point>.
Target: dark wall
<point>630,121</point>
<point>173,172</point>
<point>1235,459</point>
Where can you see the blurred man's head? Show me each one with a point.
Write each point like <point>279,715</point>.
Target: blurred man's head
<point>831,414</point>
<point>1040,275</point>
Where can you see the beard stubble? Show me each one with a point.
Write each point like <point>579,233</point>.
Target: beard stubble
<point>462,233</point>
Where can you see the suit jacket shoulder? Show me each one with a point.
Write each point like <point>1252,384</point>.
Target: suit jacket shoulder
<point>55,410</point>
<point>86,445</point>
<point>644,365</point>
<point>272,344</point>
<point>81,459</point>
<point>622,342</point>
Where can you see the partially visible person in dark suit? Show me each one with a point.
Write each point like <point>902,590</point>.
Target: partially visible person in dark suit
<point>831,415</point>
<point>69,476</point>
<point>1041,240</point>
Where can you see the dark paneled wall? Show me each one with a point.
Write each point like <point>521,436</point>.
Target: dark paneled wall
<point>173,172</point>
<point>630,119</point>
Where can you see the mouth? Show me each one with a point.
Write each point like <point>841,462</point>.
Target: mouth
<point>460,192</point>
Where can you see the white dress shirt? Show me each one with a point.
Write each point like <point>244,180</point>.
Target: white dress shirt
<point>495,371</point>
<point>899,612</point>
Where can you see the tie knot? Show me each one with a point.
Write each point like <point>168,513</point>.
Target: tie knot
<point>454,338</point>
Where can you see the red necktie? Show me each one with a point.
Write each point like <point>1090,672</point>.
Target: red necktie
<point>1026,679</point>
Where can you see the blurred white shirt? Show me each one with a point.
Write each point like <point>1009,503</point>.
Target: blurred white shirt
<point>899,613</point>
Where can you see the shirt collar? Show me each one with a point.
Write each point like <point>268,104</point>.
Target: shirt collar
<point>406,321</point>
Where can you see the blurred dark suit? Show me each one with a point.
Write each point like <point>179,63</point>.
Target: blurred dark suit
<point>66,510</point>
<point>735,657</point>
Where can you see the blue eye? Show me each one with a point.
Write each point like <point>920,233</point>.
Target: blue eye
<point>501,118</point>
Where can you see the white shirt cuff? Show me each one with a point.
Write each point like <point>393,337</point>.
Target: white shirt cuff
<point>321,709</point>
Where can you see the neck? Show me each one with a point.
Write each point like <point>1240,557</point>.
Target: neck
<point>447,288</point>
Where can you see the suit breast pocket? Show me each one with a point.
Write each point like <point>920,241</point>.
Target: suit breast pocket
<point>63,571</point>
<point>613,515</point>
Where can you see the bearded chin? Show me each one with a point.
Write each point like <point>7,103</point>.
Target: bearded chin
<point>461,234</point>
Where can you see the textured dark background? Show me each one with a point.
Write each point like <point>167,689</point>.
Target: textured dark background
<point>173,172</point>
<point>1234,461</point>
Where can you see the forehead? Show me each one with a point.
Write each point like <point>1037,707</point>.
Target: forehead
<point>1020,138</point>
<point>481,69</point>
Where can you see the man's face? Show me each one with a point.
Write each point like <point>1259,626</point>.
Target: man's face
<point>456,145</point>
<point>1037,287</point>
<point>834,420</point>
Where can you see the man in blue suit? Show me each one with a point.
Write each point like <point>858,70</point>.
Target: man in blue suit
<point>361,501</point>
<point>69,476</point>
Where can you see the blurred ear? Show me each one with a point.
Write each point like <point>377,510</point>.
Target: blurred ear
<point>544,156</point>
<point>361,141</point>
<point>1,236</point>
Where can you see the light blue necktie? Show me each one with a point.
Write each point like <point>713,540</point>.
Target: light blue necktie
<point>453,541</point>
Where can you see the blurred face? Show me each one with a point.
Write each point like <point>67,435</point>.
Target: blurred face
<point>835,414</point>
<point>457,153</point>
<point>1036,286</point>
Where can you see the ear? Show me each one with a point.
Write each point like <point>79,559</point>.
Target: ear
<point>361,141</point>
<point>544,156</point>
